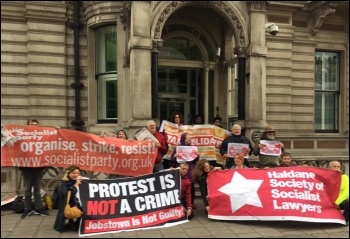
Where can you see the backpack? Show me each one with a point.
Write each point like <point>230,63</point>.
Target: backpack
<point>55,197</point>
<point>18,205</point>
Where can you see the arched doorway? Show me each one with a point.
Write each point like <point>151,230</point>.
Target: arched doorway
<point>215,25</point>
<point>182,72</point>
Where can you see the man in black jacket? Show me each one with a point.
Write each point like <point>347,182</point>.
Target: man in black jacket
<point>32,177</point>
<point>237,138</point>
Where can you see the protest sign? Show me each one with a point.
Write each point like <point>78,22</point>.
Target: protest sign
<point>270,147</point>
<point>132,203</point>
<point>186,153</point>
<point>207,138</point>
<point>235,148</point>
<point>293,193</point>
<point>47,146</point>
<point>144,134</point>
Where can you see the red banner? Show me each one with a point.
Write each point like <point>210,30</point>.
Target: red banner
<point>293,193</point>
<point>30,146</point>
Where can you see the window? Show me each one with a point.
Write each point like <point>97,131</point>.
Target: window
<point>106,73</point>
<point>327,67</point>
<point>180,48</point>
<point>232,90</point>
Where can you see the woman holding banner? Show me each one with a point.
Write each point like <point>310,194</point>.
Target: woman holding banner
<point>200,174</point>
<point>239,161</point>
<point>185,140</point>
<point>71,182</point>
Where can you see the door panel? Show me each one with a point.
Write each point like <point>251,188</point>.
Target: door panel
<point>169,106</point>
<point>178,91</point>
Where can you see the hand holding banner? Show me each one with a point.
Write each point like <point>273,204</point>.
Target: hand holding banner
<point>235,148</point>
<point>186,153</point>
<point>144,134</point>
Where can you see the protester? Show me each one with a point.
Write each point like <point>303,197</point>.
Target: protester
<point>177,118</point>
<point>161,144</point>
<point>239,161</point>
<point>287,160</point>
<point>186,187</point>
<point>185,140</point>
<point>237,138</point>
<point>70,182</point>
<point>165,161</point>
<point>198,119</point>
<point>32,122</point>
<point>342,202</point>
<point>217,121</point>
<point>267,161</point>
<point>32,177</point>
<point>200,174</point>
<point>121,134</point>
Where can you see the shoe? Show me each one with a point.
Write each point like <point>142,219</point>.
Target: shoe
<point>35,212</point>
<point>71,226</point>
<point>26,214</point>
<point>40,212</point>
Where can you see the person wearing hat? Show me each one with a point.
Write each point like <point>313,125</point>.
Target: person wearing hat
<point>267,161</point>
<point>237,138</point>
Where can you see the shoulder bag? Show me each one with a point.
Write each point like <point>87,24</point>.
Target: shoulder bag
<point>71,212</point>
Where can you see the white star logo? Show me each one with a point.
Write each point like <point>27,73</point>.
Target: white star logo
<point>242,191</point>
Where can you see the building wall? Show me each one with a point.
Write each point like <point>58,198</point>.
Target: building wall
<point>37,69</point>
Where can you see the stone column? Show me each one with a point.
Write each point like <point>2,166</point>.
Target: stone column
<point>140,46</point>
<point>206,93</point>
<point>47,76</point>
<point>256,69</point>
<point>157,44</point>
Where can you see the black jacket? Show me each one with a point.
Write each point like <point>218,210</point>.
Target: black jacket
<point>238,139</point>
<point>63,193</point>
<point>203,187</point>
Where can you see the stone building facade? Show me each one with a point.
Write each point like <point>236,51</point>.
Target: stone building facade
<point>103,65</point>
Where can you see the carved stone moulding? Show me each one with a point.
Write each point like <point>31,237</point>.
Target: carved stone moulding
<point>223,7</point>
<point>99,12</point>
<point>241,51</point>
<point>157,44</point>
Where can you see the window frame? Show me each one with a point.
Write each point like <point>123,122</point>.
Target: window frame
<point>104,73</point>
<point>334,92</point>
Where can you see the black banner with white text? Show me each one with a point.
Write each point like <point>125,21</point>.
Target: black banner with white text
<point>132,203</point>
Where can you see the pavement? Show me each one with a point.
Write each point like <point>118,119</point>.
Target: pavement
<point>36,226</point>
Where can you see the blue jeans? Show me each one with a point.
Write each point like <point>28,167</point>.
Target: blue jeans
<point>32,179</point>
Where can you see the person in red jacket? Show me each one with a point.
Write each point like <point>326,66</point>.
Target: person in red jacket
<point>186,186</point>
<point>161,145</point>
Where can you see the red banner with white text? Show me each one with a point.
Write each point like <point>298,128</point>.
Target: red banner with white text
<point>29,146</point>
<point>293,193</point>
